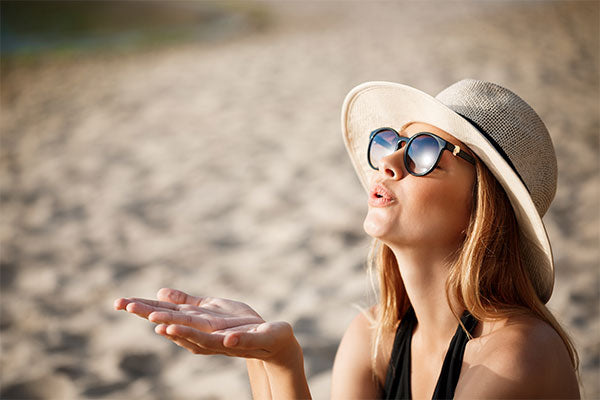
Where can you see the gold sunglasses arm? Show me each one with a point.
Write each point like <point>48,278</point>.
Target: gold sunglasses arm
<point>456,151</point>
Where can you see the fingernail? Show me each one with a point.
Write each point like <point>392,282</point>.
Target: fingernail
<point>233,341</point>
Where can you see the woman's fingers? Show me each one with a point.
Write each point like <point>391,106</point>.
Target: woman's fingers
<point>211,343</point>
<point>206,340</point>
<point>173,334</point>
<point>142,307</point>
<point>153,303</point>
<point>178,297</point>
<point>202,322</point>
<point>139,309</point>
<point>131,306</point>
<point>120,304</point>
<point>261,343</point>
<point>178,318</point>
<point>182,342</point>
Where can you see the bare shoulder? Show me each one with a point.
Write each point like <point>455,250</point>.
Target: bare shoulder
<point>352,375</point>
<point>523,357</point>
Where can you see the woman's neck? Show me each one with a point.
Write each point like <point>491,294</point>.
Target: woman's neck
<point>424,274</point>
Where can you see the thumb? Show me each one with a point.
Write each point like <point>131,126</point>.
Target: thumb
<point>268,336</point>
<point>178,297</point>
<point>248,341</point>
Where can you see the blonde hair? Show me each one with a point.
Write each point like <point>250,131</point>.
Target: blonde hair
<point>487,276</point>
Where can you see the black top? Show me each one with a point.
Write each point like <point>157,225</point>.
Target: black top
<point>397,381</point>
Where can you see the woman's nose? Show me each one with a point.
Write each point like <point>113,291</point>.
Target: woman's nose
<point>393,165</point>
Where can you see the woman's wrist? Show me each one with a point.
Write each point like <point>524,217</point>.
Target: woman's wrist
<point>289,356</point>
<point>259,380</point>
<point>285,371</point>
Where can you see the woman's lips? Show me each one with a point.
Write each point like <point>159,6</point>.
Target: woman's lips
<point>380,196</point>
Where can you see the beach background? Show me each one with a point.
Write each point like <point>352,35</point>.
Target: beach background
<point>197,145</point>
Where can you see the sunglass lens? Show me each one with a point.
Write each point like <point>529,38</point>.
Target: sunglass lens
<point>422,154</point>
<point>383,144</point>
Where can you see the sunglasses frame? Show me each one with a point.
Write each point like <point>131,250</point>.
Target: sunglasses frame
<point>442,145</point>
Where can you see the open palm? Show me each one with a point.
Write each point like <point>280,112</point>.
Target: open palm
<point>207,325</point>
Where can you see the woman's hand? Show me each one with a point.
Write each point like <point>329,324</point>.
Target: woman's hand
<point>207,325</point>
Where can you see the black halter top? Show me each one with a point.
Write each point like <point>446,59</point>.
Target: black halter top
<point>397,381</point>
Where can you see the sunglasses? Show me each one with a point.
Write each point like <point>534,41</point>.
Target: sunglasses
<point>422,151</point>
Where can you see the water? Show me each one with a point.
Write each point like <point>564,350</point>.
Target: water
<point>35,27</point>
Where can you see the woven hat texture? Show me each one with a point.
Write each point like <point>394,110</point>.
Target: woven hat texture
<point>515,127</point>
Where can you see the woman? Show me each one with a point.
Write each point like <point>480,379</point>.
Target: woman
<point>457,188</point>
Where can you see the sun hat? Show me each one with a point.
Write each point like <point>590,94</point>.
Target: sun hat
<point>497,125</point>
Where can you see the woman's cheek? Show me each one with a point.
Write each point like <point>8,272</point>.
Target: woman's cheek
<point>440,212</point>
<point>453,213</point>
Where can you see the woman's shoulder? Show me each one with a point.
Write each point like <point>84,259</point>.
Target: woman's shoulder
<point>517,356</point>
<point>523,339</point>
<point>362,358</point>
<point>353,374</point>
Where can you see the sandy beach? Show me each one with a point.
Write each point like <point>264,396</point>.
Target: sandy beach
<point>218,168</point>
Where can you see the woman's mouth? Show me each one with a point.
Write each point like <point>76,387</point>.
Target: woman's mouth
<point>380,196</point>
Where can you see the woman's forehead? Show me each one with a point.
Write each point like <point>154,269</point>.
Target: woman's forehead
<point>414,127</point>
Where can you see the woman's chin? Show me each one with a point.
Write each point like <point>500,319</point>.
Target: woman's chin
<point>375,227</point>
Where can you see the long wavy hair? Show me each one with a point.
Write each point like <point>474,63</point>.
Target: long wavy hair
<point>486,277</point>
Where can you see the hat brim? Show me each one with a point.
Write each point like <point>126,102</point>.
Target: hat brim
<point>372,105</point>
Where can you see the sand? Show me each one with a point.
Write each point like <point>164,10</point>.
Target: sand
<point>219,169</point>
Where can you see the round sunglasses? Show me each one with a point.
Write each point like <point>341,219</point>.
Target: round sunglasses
<point>422,151</point>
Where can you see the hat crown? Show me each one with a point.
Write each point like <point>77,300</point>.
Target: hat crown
<point>515,128</point>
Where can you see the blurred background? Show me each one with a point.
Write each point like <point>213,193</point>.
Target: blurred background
<point>197,145</point>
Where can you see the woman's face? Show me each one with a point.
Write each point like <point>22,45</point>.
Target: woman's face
<point>430,212</point>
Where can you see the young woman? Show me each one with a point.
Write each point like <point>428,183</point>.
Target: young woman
<point>457,187</point>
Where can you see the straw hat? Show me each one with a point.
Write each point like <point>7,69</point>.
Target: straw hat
<point>497,125</point>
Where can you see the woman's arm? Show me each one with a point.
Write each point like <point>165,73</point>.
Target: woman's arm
<point>353,376</point>
<point>259,381</point>
<point>286,375</point>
